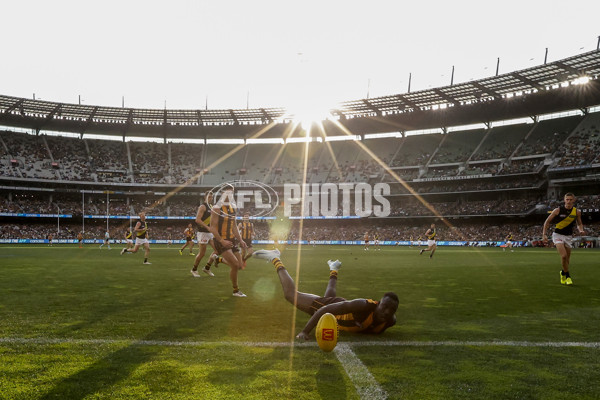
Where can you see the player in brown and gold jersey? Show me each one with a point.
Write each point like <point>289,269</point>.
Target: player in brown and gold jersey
<point>357,315</point>
<point>227,236</point>
<point>189,240</point>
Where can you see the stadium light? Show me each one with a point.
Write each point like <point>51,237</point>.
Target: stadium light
<point>582,80</point>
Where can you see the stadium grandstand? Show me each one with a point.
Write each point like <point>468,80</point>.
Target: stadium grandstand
<point>486,157</point>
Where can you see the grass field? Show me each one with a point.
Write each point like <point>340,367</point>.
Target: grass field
<point>472,323</point>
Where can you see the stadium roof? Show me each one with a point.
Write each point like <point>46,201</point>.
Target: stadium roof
<point>565,84</point>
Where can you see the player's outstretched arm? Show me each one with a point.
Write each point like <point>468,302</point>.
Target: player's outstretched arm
<point>341,308</point>
<point>547,223</point>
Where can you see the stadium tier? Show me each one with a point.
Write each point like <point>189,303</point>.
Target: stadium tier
<point>489,150</point>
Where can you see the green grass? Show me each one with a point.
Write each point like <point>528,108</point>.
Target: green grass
<point>200,342</point>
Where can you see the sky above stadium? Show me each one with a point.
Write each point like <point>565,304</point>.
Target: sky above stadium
<point>300,55</point>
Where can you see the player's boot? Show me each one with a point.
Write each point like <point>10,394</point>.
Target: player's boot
<point>123,251</point>
<point>334,265</point>
<point>207,272</point>
<point>195,273</point>
<point>563,279</point>
<point>421,252</point>
<point>180,253</point>
<point>268,255</point>
<point>239,294</point>
<point>569,281</point>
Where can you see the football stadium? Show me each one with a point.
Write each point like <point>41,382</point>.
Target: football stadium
<point>181,253</point>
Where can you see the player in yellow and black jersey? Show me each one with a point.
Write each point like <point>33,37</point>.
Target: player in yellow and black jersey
<point>129,238</point>
<point>509,242</point>
<point>357,315</point>
<point>189,234</point>
<point>431,237</point>
<point>246,229</point>
<point>141,238</point>
<point>227,236</point>
<point>568,216</point>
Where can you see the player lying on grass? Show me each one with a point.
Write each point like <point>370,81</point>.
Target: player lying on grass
<point>358,315</point>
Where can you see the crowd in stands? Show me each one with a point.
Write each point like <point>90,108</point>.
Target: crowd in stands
<point>570,141</point>
<point>323,231</point>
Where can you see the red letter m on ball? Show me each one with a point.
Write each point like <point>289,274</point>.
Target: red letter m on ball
<point>327,334</point>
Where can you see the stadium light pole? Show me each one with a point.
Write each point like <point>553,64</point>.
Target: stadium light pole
<point>58,221</point>
<point>107,211</point>
<point>82,212</point>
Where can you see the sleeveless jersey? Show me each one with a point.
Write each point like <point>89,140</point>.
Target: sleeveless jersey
<point>431,236</point>
<point>205,217</point>
<point>246,230</point>
<point>142,234</point>
<point>226,221</point>
<point>567,217</point>
<point>347,322</point>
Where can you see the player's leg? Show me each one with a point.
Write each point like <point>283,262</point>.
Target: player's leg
<point>334,267</point>
<point>564,253</point>
<point>146,252</point>
<point>232,260</point>
<point>302,301</point>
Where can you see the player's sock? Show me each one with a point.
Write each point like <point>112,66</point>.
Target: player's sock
<point>333,274</point>
<point>567,274</point>
<point>277,263</point>
<point>219,259</point>
<point>145,260</point>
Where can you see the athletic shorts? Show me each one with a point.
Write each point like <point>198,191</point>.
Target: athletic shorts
<point>323,301</point>
<point>140,241</point>
<point>128,241</point>
<point>188,238</point>
<point>219,249</point>
<point>366,242</point>
<point>509,243</point>
<point>204,237</point>
<point>248,242</point>
<point>563,239</point>
<point>431,243</point>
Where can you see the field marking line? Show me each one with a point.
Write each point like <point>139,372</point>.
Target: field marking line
<point>364,382</point>
<point>182,343</point>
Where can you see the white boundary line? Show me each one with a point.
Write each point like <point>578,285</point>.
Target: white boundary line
<point>365,384</point>
<point>177,343</point>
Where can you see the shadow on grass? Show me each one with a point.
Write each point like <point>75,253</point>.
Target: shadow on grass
<point>112,369</point>
<point>329,379</point>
